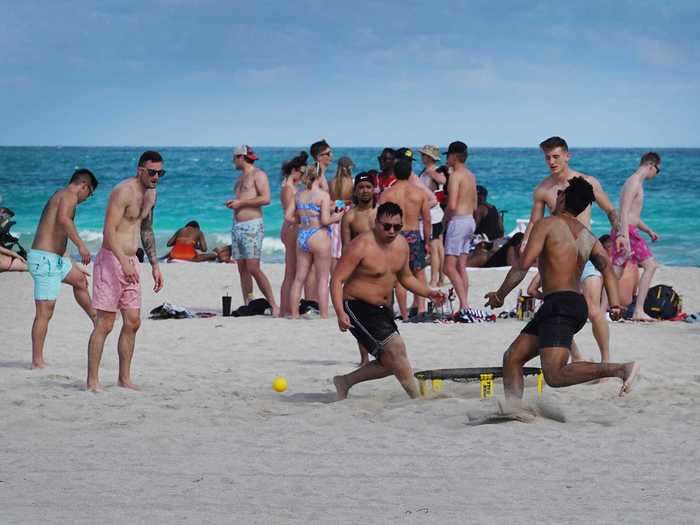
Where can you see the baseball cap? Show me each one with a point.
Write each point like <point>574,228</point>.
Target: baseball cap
<point>457,147</point>
<point>363,177</point>
<point>404,153</point>
<point>245,151</point>
<point>431,151</point>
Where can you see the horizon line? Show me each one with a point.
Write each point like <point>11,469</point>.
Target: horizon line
<point>305,147</point>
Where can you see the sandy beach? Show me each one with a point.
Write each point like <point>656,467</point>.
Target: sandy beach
<point>209,441</point>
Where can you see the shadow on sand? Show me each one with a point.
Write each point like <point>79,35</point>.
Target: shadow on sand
<point>311,397</point>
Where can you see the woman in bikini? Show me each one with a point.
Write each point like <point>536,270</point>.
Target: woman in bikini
<point>312,212</point>
<point>292,171</point>
<point>340,189</point>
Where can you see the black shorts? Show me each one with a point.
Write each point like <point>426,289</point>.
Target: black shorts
<point>372,325</point>
<point>437,231</point>
<point>561,315</point>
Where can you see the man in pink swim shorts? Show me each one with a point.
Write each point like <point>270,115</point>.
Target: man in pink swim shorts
<point>634,247</point>
<point>116,285</point>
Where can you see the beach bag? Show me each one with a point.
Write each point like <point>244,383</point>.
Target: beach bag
<point>254,307</point>
<point>662,302</point>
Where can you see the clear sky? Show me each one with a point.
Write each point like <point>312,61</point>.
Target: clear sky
<point>359,73</point>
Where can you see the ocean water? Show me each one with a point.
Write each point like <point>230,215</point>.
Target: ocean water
<point>200,180</point>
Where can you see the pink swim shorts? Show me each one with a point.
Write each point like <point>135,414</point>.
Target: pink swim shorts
<point>110,290</point>
<point>639,251</point>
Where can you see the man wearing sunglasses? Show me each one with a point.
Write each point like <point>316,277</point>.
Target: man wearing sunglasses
<point>46,261</point>
<point>116,285</point>
<point>361,289</point>
<point>323,155</point>
<point>631,204</point>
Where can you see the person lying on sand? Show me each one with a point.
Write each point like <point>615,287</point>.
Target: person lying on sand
<point>562,246</point>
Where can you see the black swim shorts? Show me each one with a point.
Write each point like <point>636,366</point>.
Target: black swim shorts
<point>373,326</point>
<point>437,231</point>
<point>561,315</point>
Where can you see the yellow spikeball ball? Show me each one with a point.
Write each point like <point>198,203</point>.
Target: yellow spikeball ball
<point>279,384</point>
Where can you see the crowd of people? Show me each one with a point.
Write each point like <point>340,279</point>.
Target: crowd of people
<point>365,241</point>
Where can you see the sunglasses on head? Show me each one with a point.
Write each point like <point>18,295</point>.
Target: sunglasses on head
<point>388,227</point>
<point>153,173</point>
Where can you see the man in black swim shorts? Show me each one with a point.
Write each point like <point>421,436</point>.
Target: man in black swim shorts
<point>561,245</point>
<point>361,290</point>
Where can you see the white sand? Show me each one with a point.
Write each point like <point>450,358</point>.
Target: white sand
<point>208,441</point>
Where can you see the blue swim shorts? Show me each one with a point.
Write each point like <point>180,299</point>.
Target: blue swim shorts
<point>247,239</point>
<point>48,271</point>
<point>589,271</point>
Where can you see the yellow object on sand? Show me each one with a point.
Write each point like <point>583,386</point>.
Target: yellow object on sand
<point>279,384</point>
<point>486,386</point>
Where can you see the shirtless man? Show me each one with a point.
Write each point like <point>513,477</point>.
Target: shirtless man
<point>46,261</point>
<point>116,285</point>
<point>634,247</point>
<point>361,290</point>
<point>561,245</point>
<point>360,218</point>
<point>557,156</point>
<point>415,207</point>
<point>252,191</point>
<point>459,217</point>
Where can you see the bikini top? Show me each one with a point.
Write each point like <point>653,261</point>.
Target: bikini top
<point>314,209</point>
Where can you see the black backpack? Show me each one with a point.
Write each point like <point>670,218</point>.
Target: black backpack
<point>662,302</point>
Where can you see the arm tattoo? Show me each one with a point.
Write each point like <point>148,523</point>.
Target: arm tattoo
<point>614,219</point>
<point>599,261</point>
<point>148,238</point>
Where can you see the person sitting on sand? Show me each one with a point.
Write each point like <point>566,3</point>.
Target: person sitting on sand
<point>361,290</point>
<point>561,245</point>
<point>11,261</point>
<point>489,254</point>
<point>189,244</point>
<point>629,280</point>
<point>488,221</point>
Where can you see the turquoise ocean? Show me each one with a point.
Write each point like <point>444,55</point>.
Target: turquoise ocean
<point>200,180</point>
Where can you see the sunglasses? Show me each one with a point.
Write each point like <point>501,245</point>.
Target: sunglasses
<point>153,173</point>
<point>658,170</point>
<point>329,153</point>
<point>388,227</point>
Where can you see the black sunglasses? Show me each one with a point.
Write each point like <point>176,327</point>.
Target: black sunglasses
<point>658,170</point>
<point>153,173</point>
<point>388,227</point>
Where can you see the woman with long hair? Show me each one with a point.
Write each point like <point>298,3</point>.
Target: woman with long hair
<point>340,189</point>
<point>312,212</point>
<point>292,170</point>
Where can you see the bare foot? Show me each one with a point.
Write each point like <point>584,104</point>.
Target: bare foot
<point>276,312</point>
<point>128,384</point>
<point>641,316</point>
<point>39,364</point>
<point>629,375</point>
<point>363,363</point>
<point>94,387</point>
<point>341,387</point>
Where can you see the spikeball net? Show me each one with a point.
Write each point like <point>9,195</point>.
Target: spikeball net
<point>485,376</point>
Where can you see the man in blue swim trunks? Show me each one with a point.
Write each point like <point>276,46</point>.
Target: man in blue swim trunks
<point>252,192</point>
<point>47,262</point>
<point>557,156</point>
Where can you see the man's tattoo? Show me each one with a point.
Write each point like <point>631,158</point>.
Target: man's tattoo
<point>601,262</point>
<point>615,222</point>
<point>148,238</point>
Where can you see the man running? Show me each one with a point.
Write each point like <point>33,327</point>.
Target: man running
<point>561,245</point>
<point>47,262</point>
<point>557,156</point>
<point>252,192</point>
<point>416,212</point>
<point>631,204</point>
<point>360,218</point>
<point>459,217</point>
<point>116,285</point>
<point>361,290</point>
